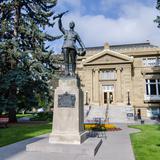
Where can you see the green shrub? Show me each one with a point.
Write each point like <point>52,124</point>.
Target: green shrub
<point>43,116</point>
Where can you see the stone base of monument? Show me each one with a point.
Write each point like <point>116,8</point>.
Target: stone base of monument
<point>88,148</point>
<point>68,134</point>
<point>68,116</point>
<point>67,138</point>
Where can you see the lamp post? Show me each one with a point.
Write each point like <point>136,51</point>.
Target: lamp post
<point>128,98</point>
<point>86,98</point>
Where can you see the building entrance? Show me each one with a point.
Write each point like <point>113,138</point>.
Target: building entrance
<point>105,98</point>
<point>108,94</point>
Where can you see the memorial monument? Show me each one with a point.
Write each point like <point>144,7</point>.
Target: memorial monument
<point>68,132</point>
<point>68,99</point>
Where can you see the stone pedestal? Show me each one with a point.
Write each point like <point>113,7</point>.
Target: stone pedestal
<point>89,148</point>
<point>68,115</point>
<point>67,131</point>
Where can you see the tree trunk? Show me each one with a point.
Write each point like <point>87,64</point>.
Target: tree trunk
<point>12,115</point>
<point>1,112</point>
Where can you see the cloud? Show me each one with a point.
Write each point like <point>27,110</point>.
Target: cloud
<point>134,24</point>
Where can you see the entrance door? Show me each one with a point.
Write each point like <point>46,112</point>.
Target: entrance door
<point>105,98</point>
<point>110,97</point>
<point>139,114</point>
<point>108,93</point>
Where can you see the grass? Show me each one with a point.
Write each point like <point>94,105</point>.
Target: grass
<point>19,132</point>
<point>42,116</point>
<point>24,115</point>
<point>146,144</point>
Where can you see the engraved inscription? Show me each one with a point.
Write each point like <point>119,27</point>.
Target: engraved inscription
<point>66,100</point>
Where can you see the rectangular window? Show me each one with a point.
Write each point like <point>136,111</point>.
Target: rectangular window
<point>153,87</point>
<point>147,93</point>
<point>152,81</point>
<point>107,75</point>
<point>155,111</point>
<point>151,61</point>
<point>158,86</point>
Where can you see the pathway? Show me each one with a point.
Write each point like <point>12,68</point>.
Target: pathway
<point>117,146</point>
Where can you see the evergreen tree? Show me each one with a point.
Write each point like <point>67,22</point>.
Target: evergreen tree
<point>26,64</point>
<point>157,20</point>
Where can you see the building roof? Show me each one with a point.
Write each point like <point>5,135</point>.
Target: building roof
<point>110,53</point>
<point>124,46</point>
<point>121,48</point>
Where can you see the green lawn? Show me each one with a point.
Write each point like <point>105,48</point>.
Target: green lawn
<point>18,132</point>
<point>24,115</point>
<point>146,144</point>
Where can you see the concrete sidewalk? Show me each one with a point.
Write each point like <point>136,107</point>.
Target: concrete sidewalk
<point>117,146</point>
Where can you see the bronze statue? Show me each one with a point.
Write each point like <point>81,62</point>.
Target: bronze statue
<point>69,48</point>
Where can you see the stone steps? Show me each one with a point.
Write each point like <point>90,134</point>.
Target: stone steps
<point>118,114</point>
<point>96,112</point>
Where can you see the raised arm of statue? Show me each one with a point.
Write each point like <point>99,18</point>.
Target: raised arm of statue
<point>158,4</point>
<point>80,42</point>
<point>60,25</point>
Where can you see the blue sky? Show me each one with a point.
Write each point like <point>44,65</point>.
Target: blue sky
<point>109,8</point>
<point>112,21</point>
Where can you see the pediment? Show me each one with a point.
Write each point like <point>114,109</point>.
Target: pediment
<point>108,57</point>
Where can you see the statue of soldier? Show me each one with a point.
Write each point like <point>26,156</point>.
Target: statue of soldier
<point>69,48</point>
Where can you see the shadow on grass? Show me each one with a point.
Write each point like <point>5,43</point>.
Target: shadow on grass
<point>18,136</point>
<point>158,145</point>
<point>19,132</point>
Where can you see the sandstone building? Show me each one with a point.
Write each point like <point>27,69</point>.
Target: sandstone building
<point>127,74</point>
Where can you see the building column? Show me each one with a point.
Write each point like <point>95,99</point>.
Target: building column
<point>119,85</point>
<point>96,86</point>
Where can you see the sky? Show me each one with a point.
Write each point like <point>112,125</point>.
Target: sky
<point>111,21</point>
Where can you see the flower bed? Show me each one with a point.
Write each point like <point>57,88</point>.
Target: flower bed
<point>101,127</point>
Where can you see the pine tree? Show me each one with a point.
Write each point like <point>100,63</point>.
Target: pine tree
<point>26,64</point>
<point>157,20</point>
